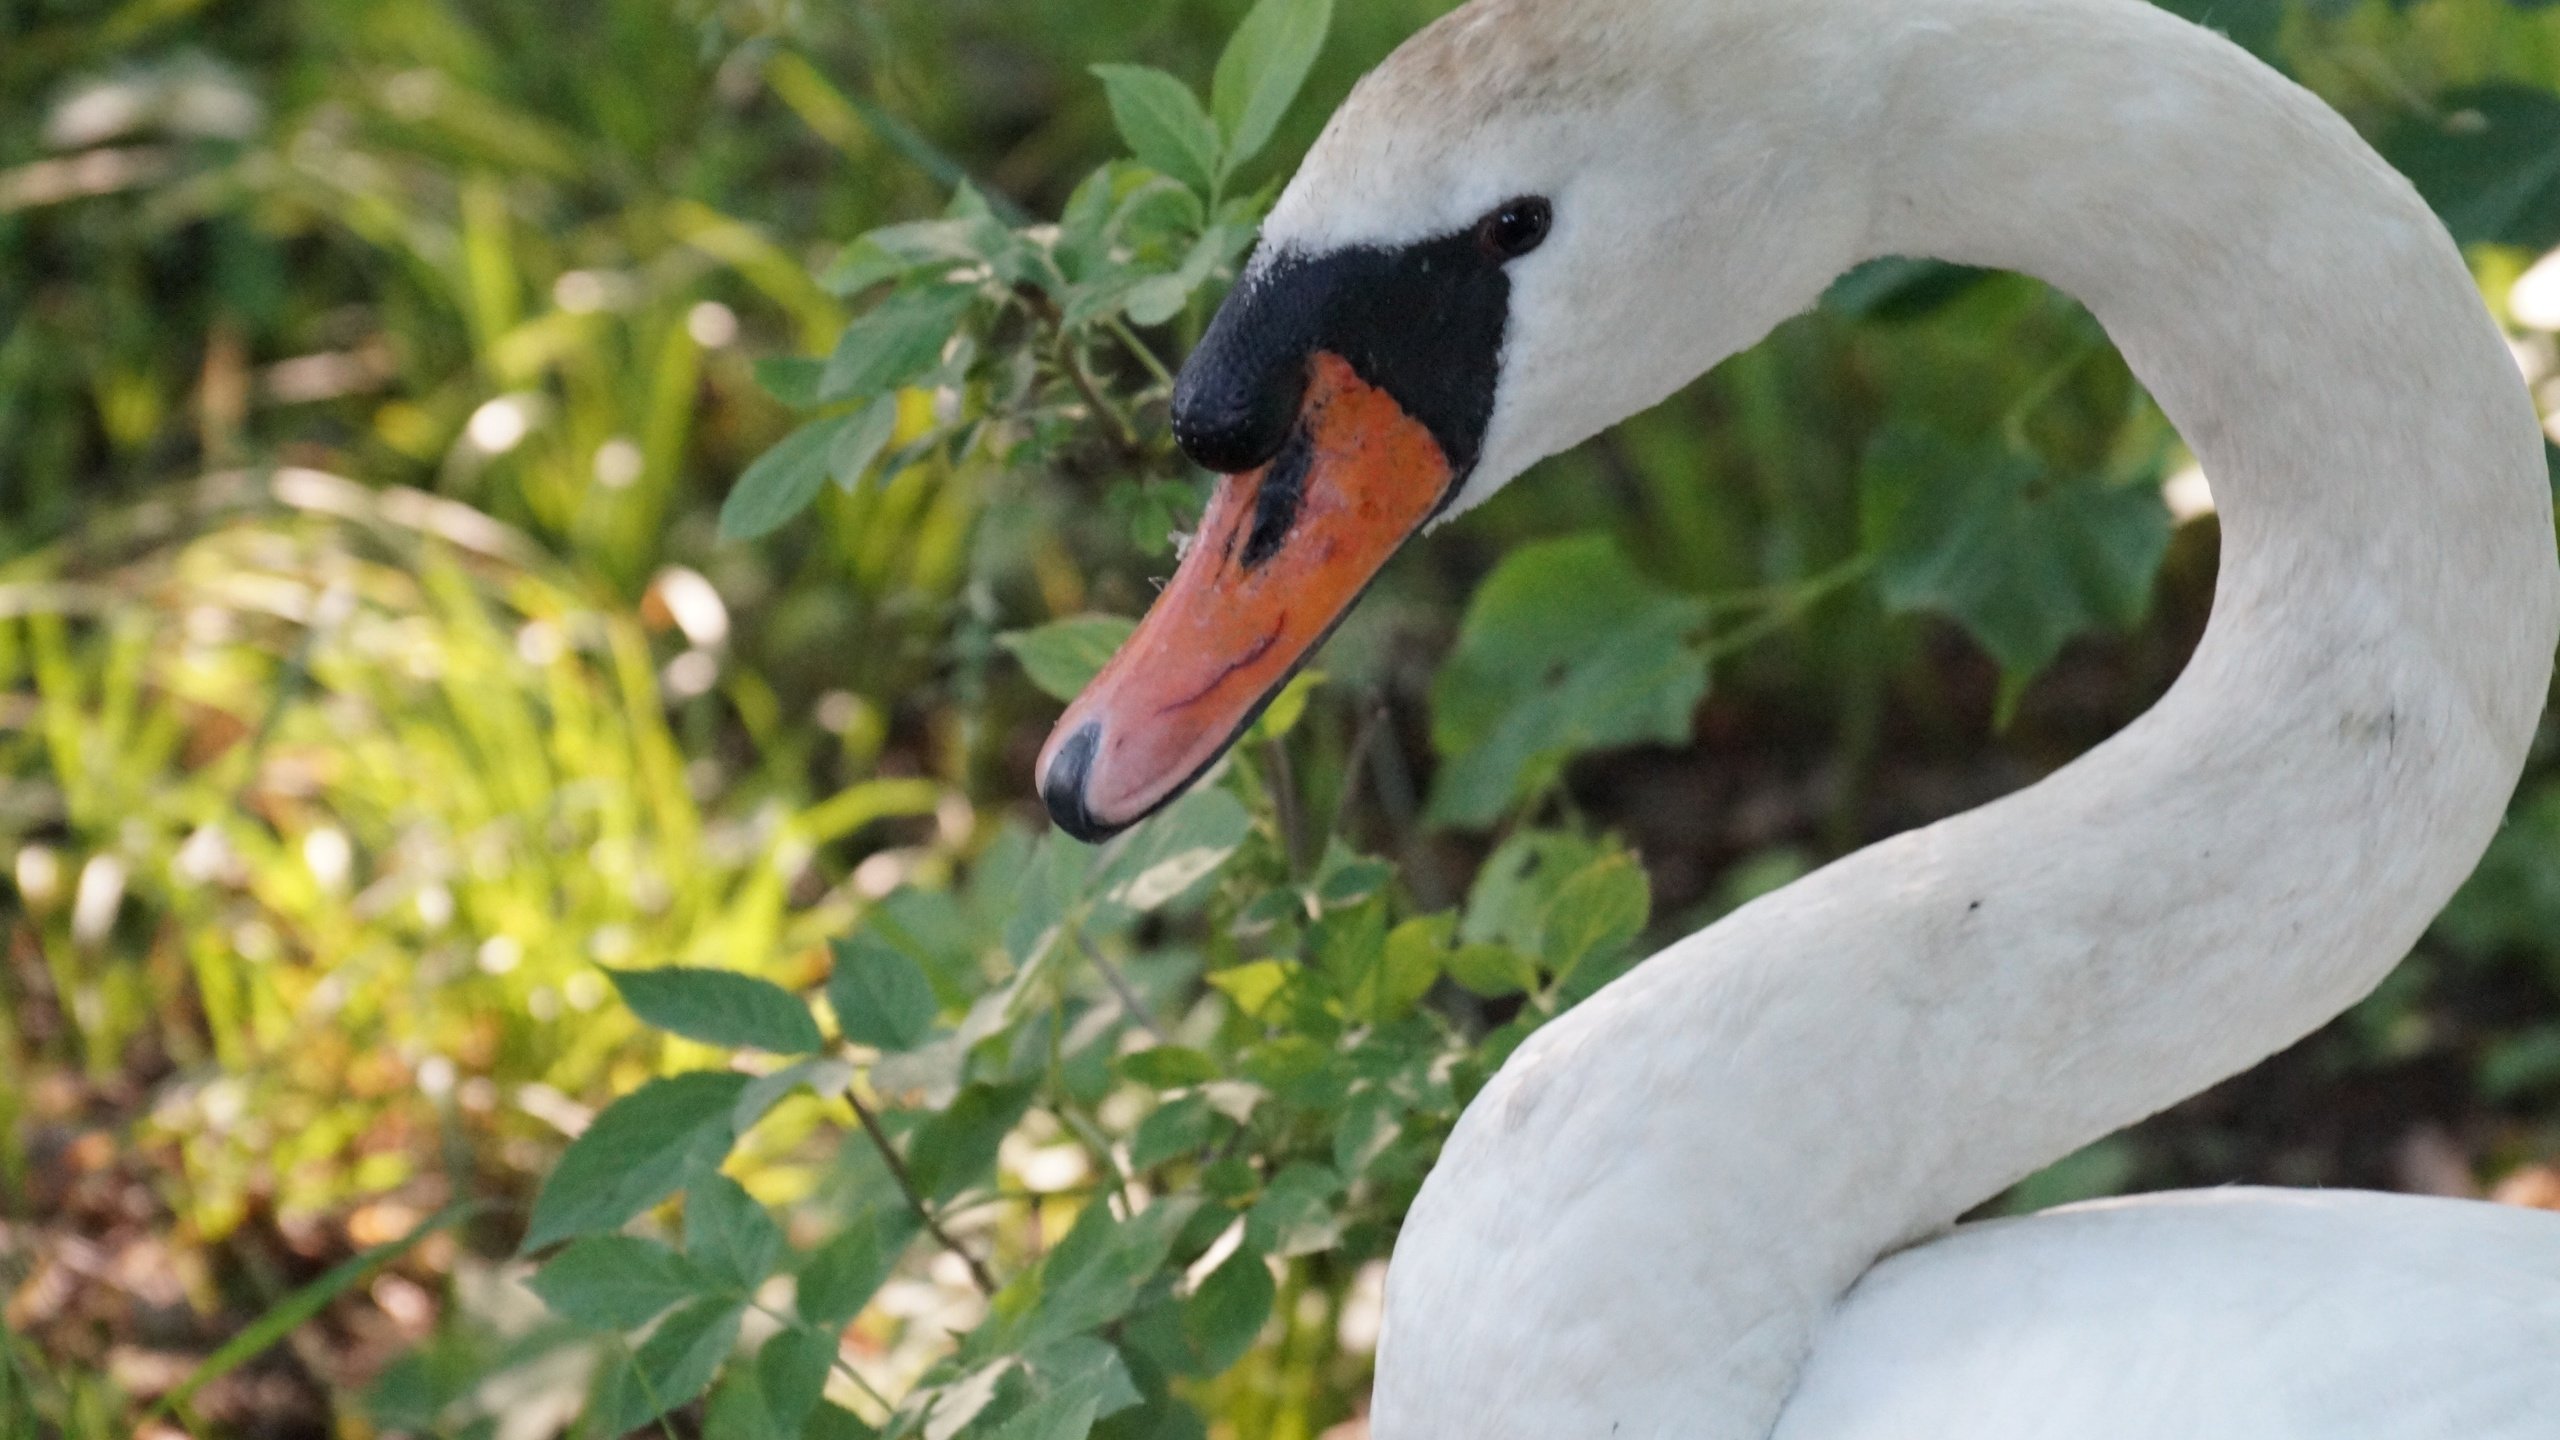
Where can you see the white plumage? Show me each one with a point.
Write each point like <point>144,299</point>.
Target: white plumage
<point>1656,1220</point>
<point>2201,1316</point>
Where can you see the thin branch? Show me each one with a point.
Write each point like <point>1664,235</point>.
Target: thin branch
<point>915,1197</point>
<point>1802,598</point>
<point>1124,433</point>
<point>994,1198</point>
<point>1098,1146</point>
<point>835,1353</point>
<point>1371,723</point>
<point>1284,800</point>
<point>2013,426</point>
<point>1120,986</point>
<point>1146,355</point>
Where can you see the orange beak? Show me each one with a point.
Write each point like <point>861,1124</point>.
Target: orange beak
<point>1281,555</point>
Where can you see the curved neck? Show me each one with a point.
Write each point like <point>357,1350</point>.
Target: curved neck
<point>1683,1175</point>
<point>2258,851</point>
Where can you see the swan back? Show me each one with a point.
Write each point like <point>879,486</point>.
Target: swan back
<point>2218,1315</point>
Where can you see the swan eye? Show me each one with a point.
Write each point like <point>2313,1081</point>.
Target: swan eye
<point>1519,227</point>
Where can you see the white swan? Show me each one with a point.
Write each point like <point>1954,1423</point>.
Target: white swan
<point>1714,1200</point>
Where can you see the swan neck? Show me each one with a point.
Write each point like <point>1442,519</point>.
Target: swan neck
<point>2257,852</point>
<point>1677,1181</point>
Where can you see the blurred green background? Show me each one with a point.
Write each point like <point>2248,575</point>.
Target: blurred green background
<point>372,671</point>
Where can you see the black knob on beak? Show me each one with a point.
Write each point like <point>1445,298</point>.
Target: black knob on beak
<point>1238,396</point>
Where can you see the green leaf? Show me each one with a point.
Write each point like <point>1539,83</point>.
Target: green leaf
<point>820,1075</point>
<point>862,439</point>
<point>791,1372</point>
<point>2488,160</point>
<point>1408,968</point>
<point>720,1007</point>
<point>1163,123</point>
<point>863,264</point>
<point>781,483</point>
<point>1566,649</point>
<point>1895,289</point>
<point>728,1234</point>
<point>1098,1272</point>
<point>793,380</point>
<point>1158,298</point>
<point>2022,559</point>
<point>956,1149</point>
<point>1059,1417</point>
<point>736,1410</point>
<point>1492,971</point>
<point>1063,656</point>
<point>834,1422</point>
<point>1178,1127</point>
<point>637,1153</point>
<point>672,1366</point>
<point>1286,709</point>
<point>1347,877</point>
<point>1508,903</point>
<point>1596,914</point>
<point>881,996</point>
<point>1348,945</point>
<point>1042,898</point>
<point>1252,985</point>
<point>1369,1126</point>
<point>964,234</point>
<point>615,1282</point>
<point>1086,1365</point>
<point>848,1270</point>
<point>1295,1214</point>
<point>1262,70</point>
<point>1224,1316</point>
<point>1169,1067</point>
<point>1175,851</point>
<point>2103,1168</point>
<point>896,342</point>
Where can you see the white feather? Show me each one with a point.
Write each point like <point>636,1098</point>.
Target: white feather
<point>1654,1222</point>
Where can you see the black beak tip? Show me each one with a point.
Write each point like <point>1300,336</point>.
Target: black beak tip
<point>1063,788</point>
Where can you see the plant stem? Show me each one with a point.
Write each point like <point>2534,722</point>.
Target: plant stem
<point>2013,426</point>
<point>1045,310</point>
<point>1120,986</point>
<point>1123,432</point>
<point>835,1357</point>
<point>1284,802</point>
<point>1371,722</point>
<point>915,1198</point>
<point>1788,608</point>
<point>1145,353</point>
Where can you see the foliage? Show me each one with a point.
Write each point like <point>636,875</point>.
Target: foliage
<point>1028,327</point>
<point>1272,1096</point>
<point>487,824</point>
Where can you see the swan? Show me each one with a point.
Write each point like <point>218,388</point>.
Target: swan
<point>1719,1199</point>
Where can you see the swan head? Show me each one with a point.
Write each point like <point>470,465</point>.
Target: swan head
<point>1537,218</point>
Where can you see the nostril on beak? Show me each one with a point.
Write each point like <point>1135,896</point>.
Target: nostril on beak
<point>1063,788</point>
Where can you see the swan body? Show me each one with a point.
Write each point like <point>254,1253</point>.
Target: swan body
<point>1714,1201</point>
<point>2211,1315</point>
